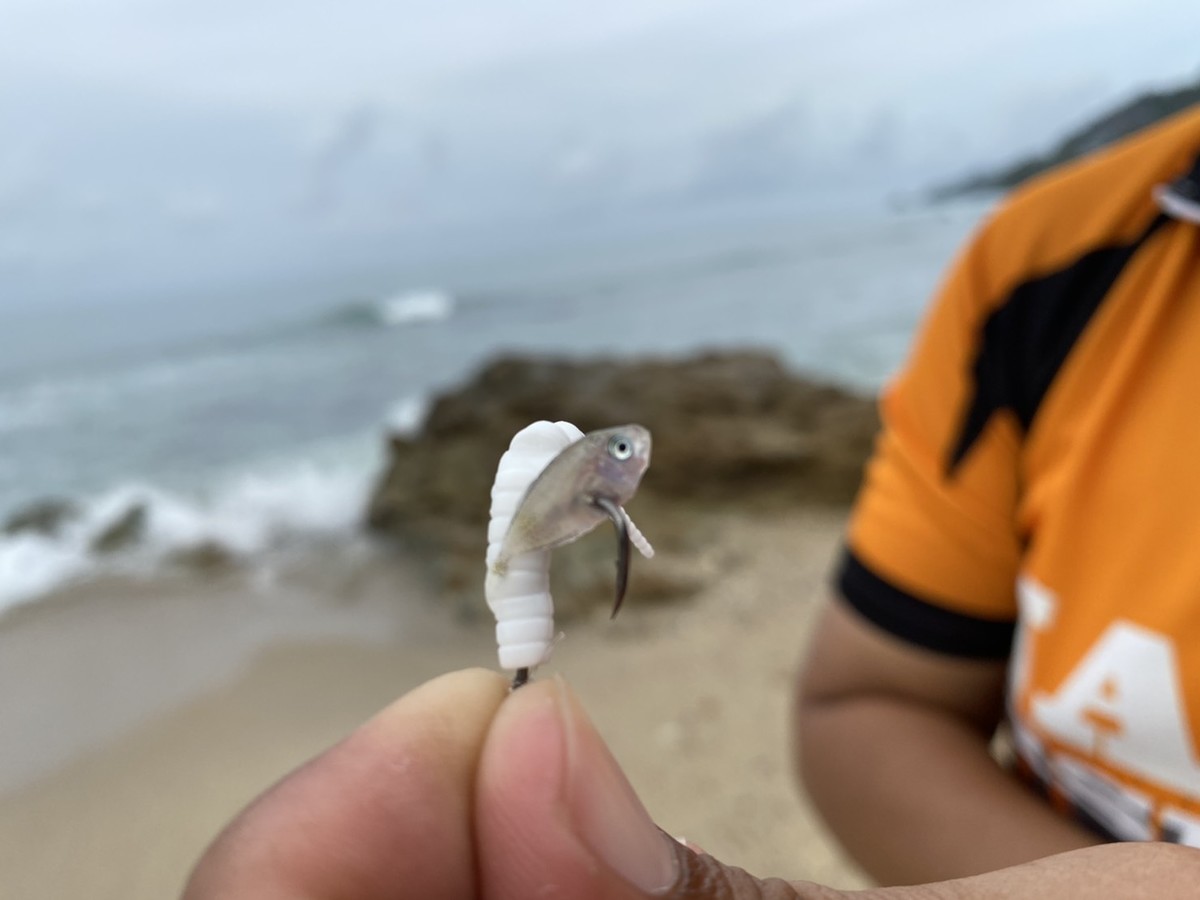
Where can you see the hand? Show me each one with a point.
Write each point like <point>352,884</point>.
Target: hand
<point>460,791</point>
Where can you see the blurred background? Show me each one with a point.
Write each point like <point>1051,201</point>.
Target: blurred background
<point>242,244</point>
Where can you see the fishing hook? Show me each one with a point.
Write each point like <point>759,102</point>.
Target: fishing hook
<point>614,512</point>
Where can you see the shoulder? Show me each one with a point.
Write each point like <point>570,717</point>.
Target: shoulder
<point>1103,200</point>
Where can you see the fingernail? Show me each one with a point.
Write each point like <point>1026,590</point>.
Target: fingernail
<point>606,813</point>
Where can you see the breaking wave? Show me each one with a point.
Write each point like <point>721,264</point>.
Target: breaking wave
<point>414,307</point>
<point>138,528</point>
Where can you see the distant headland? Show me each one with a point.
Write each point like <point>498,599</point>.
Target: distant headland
<point>1139,112</point>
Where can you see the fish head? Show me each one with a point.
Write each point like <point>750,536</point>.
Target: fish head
<point>621,457</point>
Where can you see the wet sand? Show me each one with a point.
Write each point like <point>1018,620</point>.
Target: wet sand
<point>138,717</point>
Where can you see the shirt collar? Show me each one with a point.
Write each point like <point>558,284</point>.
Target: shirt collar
<point>1180,198</point>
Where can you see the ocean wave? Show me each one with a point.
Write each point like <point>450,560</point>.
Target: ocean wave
<point>407,418</point>
<point>137,528</point>
<point>413,307</point>
<point>49,402</point>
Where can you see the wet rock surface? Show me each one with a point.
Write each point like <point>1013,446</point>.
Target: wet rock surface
<point>43,517</point>
<point>125,531</point>
<point>732,431</point>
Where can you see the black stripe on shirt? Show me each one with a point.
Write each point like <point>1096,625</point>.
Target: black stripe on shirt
<point>1027,339</point>
<point>918,621</point>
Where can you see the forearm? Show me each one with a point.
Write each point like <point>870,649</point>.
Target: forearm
<point>914,795</point>
<point>1134,871</point>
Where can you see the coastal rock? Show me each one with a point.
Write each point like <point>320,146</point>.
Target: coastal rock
<point>44,517</point>
<point>207,557</point>
<point>123,532</point>
<point>731,430</point>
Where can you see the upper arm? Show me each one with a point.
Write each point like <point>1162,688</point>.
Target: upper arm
<point>849,658</point>
<point>927,606</point>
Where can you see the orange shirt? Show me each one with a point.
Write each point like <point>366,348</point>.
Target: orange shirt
<point>1035,491</point>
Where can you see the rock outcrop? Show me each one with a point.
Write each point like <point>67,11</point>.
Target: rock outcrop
<point>731,430</point>
<point>42,517</point>
<point>125,531</point>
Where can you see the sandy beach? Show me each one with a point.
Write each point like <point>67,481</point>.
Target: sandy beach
<point>139,717</point>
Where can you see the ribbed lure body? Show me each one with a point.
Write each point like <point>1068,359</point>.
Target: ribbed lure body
<point>540,501</point>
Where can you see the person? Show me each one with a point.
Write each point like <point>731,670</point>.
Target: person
<point>461,791</point>
<point>1021,548</point>
<point>1019,551</point>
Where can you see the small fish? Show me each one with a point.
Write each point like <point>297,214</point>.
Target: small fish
<point>586,483</point>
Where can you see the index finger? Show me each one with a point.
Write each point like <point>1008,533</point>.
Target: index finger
<point>389,808</point>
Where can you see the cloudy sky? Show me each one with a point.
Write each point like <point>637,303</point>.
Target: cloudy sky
<point>148,143</point>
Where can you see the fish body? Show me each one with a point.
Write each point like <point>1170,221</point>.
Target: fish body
<point>568,499</point>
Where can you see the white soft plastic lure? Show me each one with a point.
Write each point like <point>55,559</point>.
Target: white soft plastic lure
<point>553,485</point>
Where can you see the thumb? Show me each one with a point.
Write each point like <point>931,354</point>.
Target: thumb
<point>555,816</point>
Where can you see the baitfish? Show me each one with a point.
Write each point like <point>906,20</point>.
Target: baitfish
<point>584,484</point>
<point>553,485</point>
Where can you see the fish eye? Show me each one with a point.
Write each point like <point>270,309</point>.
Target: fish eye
<point>620,447</point>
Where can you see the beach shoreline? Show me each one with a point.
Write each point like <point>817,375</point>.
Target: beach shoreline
<point>131,807</point>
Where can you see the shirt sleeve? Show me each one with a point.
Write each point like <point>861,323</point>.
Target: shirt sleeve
<point>932,548</point>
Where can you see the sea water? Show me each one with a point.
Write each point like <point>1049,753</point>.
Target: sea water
<point>253,417</point>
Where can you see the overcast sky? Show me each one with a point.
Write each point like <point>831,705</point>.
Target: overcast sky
<point>149,141</point>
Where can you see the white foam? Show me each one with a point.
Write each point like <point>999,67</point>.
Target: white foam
<point>248,515</point>
<point>407,418</point>
<point>412,307</point>
<point>32,565</point>
<point>257,511</point>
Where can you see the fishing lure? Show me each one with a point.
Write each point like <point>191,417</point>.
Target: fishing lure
<point>553,485</point>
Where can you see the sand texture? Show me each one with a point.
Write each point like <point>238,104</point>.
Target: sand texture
<point>138,718</point>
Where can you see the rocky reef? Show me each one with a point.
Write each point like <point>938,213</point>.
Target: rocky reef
<point>734,432</point>
<point>46,517</point>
